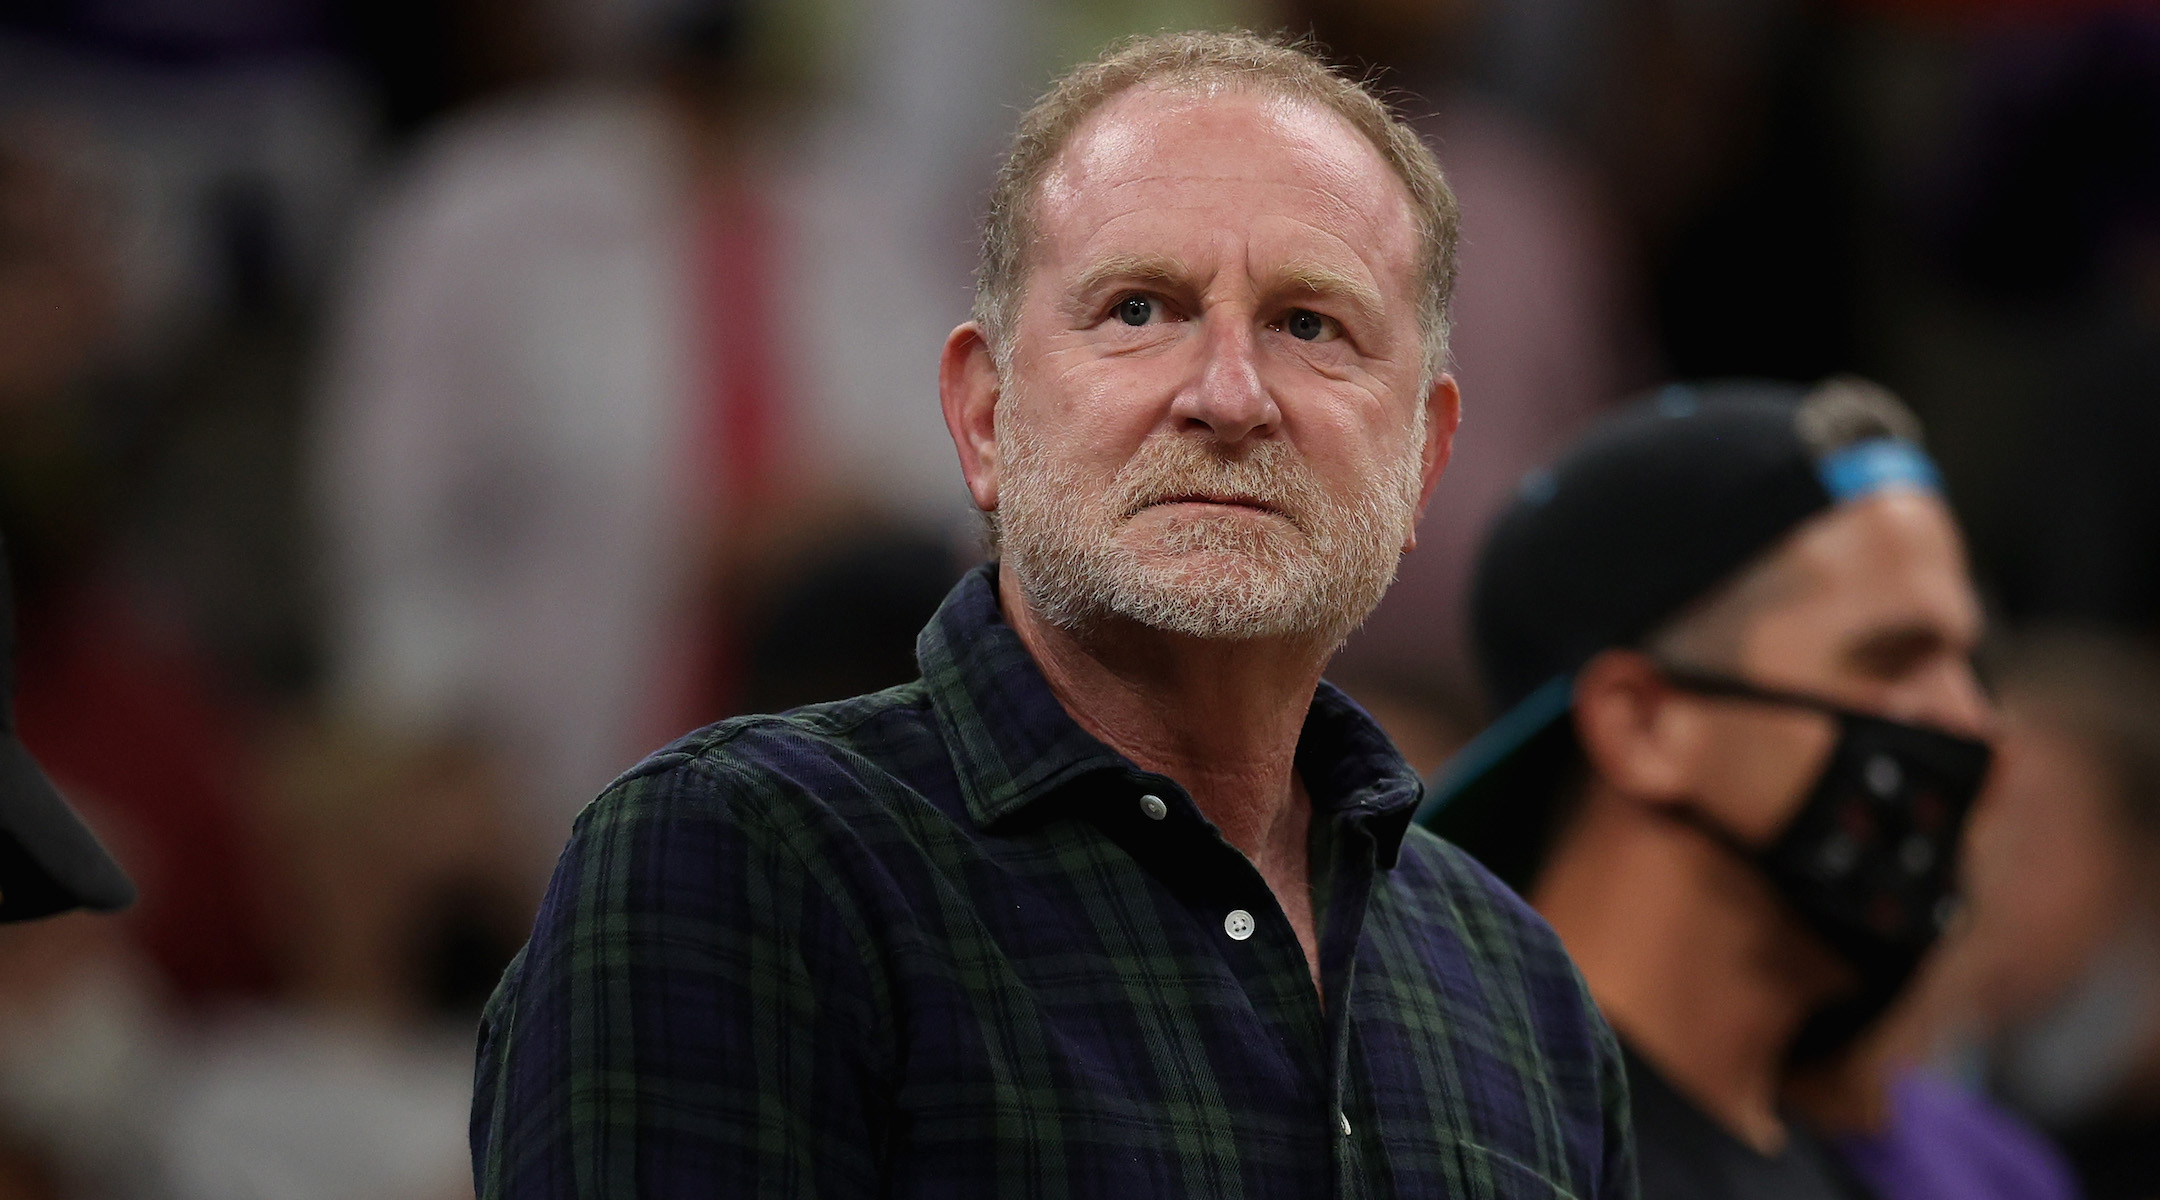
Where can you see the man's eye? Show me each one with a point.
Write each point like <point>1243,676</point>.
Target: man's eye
<point>1309,326</point>
<point>1135,310</point>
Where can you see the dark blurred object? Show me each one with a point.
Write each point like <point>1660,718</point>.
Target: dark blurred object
<point>427,57</point>
<point>844,623</point>
<point>2059,171</point>
<point>50,862</point>
<point>423,57</point>
<point>2117,1157</point>
<point>180,32</point>
<point>466,932</point>
<point>2050,211</point>
<point>1405,41</point>
<point>710,30</point>
<point>2083,533</point>
<point>1723,141</point>
<point>1718,128</point>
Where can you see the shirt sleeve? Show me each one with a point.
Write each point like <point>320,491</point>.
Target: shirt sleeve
<point>695,1014</point>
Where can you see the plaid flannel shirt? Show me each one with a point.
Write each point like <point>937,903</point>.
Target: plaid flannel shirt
<point>940,942</point>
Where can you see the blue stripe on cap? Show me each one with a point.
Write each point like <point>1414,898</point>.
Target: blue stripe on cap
<point>1498,740</point>
<point>1866,468</point>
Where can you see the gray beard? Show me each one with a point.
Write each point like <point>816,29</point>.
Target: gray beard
<point>1223,577</point>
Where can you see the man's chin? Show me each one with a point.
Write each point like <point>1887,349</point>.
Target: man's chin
<point>1206,570</point>
<point>1258,583</point>
<point>1234,539</point>
<point>1218,595</point>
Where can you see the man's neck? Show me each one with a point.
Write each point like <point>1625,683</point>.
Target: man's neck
<point>1221,718</point>
<point>1690,957</point>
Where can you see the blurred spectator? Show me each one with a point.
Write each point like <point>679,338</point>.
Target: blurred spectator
<point>1731,631</point>
<point>122,707</point>
<point>562,397</point>
<point>402,891</point>
<point>405,890</point>
<point>589,381</point>
<point>2061,973</point>
<point>173,176</point>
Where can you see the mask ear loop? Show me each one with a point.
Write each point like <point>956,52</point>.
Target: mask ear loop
<point>1698,682</point>
<point>1713,684</point>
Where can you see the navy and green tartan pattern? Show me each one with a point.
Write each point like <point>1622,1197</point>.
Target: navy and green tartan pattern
<point>932,943</point>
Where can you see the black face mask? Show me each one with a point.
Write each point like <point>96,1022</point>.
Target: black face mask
<point>1869,862</point>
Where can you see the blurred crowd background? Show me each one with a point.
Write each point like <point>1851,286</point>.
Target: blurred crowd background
<point>411,411</point>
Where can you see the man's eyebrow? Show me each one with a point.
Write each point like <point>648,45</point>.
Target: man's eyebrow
<point>1316,279</point>
<point>1303,278</point>
<point>1130,268</point>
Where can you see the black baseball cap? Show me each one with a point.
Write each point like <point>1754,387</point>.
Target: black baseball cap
<point>50,862</point>
<point>1647,513</point>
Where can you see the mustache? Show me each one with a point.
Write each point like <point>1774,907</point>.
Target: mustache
<point>1266,475</point>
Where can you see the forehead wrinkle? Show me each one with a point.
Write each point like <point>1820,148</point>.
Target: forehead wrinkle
<point>1308,264</point>
<point>1331,186</point>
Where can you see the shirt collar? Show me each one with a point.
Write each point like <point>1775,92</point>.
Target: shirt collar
<point>1013,744</point>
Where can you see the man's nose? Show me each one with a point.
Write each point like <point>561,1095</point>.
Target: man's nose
<point>1228,396</point>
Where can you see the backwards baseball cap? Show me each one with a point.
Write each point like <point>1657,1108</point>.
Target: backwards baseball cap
<point>1648,513</point>
<point>50,862</point>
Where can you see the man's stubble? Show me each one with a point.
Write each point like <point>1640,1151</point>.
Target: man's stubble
<point>1312,574</point>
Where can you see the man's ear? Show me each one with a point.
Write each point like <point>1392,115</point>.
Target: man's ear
<point>1443,412</point>
<point>1633,731</point>
<point>968,392</point>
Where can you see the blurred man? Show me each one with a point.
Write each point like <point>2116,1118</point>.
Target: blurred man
<point>2058,979</point>
<point>556,441</point>
<point>1731,636</point>
<point>50,862</point>
<point>1118,899</point>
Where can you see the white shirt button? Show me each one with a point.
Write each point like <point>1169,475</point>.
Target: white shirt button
<point>1344,1119</point>
<point>1239,924</point>
<point>1154,807</point>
